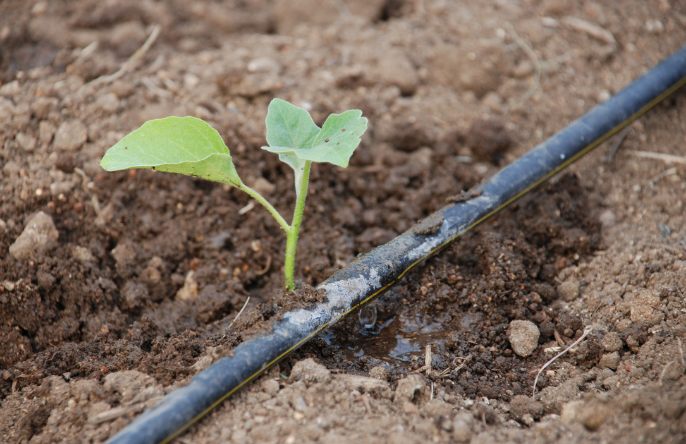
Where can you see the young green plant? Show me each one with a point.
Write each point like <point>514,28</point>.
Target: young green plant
<point>190,146</point>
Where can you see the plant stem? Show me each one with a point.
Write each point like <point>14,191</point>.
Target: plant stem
<point>292,239</point>
<point>258,197</point>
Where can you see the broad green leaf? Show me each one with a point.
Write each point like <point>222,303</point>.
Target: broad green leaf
<point>338,138</point>
<point>290,126</point>
<point>335,143</point>
<point>215,167</point>
<point>183,145</point>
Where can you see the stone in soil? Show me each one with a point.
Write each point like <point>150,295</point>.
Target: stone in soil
<point>271,387</point>
<point>523,336</point>
<point>568,290</point>
<point>39,237</point>
<point>189,289</point>
<point>70,136</point>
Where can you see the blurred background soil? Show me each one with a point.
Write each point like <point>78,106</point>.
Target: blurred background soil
<point>124,285</point>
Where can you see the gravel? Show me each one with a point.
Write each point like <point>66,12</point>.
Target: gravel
<point>70,136</point>
<point>38,237</point>
<point>523,336</point>
<point>568,290</point>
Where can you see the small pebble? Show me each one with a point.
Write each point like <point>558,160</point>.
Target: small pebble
<point>589,414</point>
<point>568,290</point>
<point>38,237</point>
<point>270,387</point>
<point>189,289</point>
<point>264,64</point>
<point>263,186</point>
<point>70,136</point>
<point>528,419</point>
<point>26,142</point>
<point>523,336</point>
<point>607,218</point>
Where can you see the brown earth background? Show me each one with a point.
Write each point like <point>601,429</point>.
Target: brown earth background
<point>131,280</point>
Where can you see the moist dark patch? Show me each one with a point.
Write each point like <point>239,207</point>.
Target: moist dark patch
<point>471,293</point>
<point>489,139</point>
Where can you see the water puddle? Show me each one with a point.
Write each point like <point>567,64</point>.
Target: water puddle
<point>396,340</point>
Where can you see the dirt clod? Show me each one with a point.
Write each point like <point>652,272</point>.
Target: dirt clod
<point>309,371</point>
<point>462,427</point>
<point>609,360</point>
<point>129,384</point>
<point>430,225</point>
<point>489,139</point>
<point>407,387</point>
<point>612,342</point>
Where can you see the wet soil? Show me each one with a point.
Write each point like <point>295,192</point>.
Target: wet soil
<point>150,270</point>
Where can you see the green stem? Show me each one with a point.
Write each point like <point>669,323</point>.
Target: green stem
<point>292,239</point>
<point>269,207</point>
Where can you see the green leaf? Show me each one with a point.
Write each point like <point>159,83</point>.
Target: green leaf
<point>183,145</point>
<point>335,143</point>
<point>290,126</point>
<point>338,138</point>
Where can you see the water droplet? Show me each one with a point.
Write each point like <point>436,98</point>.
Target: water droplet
<point>368,316</point>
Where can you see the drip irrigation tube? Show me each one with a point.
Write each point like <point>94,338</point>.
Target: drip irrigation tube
<point>370,274</point>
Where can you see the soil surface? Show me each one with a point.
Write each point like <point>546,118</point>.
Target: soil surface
<point>116,288</point>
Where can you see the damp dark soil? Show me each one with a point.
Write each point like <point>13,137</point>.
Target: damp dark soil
<point>143,282</point>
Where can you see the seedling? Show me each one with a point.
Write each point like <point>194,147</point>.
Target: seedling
<point>186,145</point>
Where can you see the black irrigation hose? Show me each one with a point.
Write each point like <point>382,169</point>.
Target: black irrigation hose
<point>370,274</point>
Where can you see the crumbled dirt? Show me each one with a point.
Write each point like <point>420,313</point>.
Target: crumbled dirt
<point>465,195</point>
<point>430,225</point>
<point>150,270</point>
